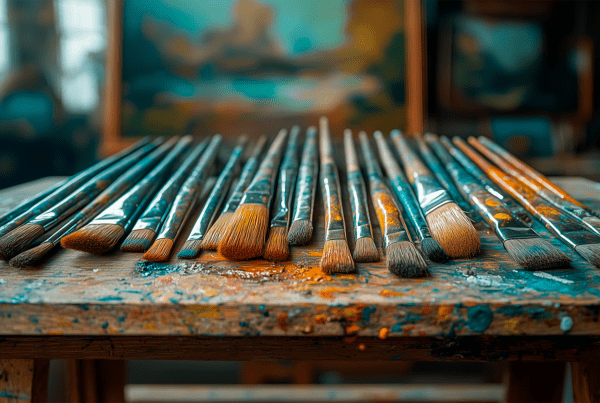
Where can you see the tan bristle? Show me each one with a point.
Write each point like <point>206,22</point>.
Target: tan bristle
<point>159,251</point>
<point>31,256</point>
<point>300,232</point>
<point>138,241</point>
<point>244,237</point>
<point>191,249</point>
<point>276,249</point>
<point>454,231</point>
<point>336,257</point>
<point>365,250</point>
<point>94,238</point>
<point>590,252</point>
<point>405,260</point>
<point>536,254</point>
<point>213,235</point>
<point>19,239</point>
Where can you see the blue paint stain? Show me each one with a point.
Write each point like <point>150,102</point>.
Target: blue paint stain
<point>479,317</point>
<point>262,307</point>
<point>104,325</point>
<point>397,327</point>
<point>178,292</point>
<point>18,299</point>
<point>173,300</point>
<point>75,320</point>
<point>13,396</point>
<point>8,315</point>
<point>435,290</point>
<point>109,298</point>
<point>33,319</point>
<point>566,323</point>
<point>121,318</point>
<point>366,313</point>
<point>84,307</point>
<point>396,357</point>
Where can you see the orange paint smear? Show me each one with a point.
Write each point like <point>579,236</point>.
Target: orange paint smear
<point>320,319</point>
<point>390,293</point>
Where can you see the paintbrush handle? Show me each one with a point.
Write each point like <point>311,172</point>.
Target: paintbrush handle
<point>27,204</point>
<point>325,147</point>
<point>306,184</point>
<point>140,209</point>
<point>260,190</point>
<point>246,176</point>
<point>402,189</point>
<point>357,191</point>
<point>287,180</point>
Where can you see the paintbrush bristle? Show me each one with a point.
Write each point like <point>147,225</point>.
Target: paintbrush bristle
<point>94,238</point>
<point>300,232</point>
<point>31,256</point>
<point>434,252</point>
<point>191,249</point>
<point>365,250</point>
<point>536,254</point>
<point>590,252</point>
<point>138,241</point>
<point>19,239</point>
<point>405,260</point>
<point>214,234</point>
<point>276,249</point>
<point>454,231</point>
<point>336,257</point>
<point>159,251</point>
<point>244,236</point>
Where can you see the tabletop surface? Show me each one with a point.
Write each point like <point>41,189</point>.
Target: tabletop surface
<point>74,293</point>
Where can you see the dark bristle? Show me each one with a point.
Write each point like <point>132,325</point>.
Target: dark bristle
<point>159,251</point>
<point>191,249</point>
<point>336,257</point>
<point>276,249</point>
<point>365,251</point>
<point>300,232</point>
<point>32,256</point>
<point>18,240</point>
<point>536,254</point>
<point>405,260</point>
<point>213,236</point>
<point>94,238</point>
<point>590,252</point>
<point>138,241</point>
<point>434,252</point>
<point>245,235</point>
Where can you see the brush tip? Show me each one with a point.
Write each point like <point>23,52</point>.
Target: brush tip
<point>191,249</point>
<point>405,260</point>
<point>159,251</point>
<point>18,240</point>
<point>244,237</point>
<point>138,241</point>
<point>213,236</point>
<point>276,248</point>
<point>536,254</point>
<point>590,252</point>
<point>336,257</point>
<point>300,232</point>
<point>365,250</point>
<point>31,256</point>
<point>434,252</point>
<point>454,231</point>
<point>94,238</point>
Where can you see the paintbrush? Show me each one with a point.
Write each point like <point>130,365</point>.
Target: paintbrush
<point>72,185</point>
<point>193,245</point>
<point>440,173</point>
<point>402,256</point>
<point>21,237</point>
<point>533,174</point>
<point>245,234</point>
<point>407,198</point>
<point>564,227</point>
<point>588,220</point>
<point>146,227</point>
<point>364,247</point>
<point>483,179</point>
<point>522,244</point>
<point>102,233</point>
<point>184,202</point>
<point>212,238</point>
<point>336,256</point>
<point>449,225</point>
<point>301,229</point>
<point>276,248</point>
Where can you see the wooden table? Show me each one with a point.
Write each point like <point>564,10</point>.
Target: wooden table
<point>80,306</point>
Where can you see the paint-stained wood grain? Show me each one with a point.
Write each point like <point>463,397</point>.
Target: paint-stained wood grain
<point>23,381</point>
<point>80,294</point>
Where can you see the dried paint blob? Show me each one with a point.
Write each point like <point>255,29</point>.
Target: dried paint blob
<point>566,323</point>
<point>479,318</point>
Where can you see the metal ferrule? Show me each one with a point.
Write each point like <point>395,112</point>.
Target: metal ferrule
<point>409,202</point>
<point>287,180</point>
<point>153,218</point>
<point>588,220</point>
<point>430,194</point>
<point>358,202</point>
<point>246,176</point>
<point>336,234</point>
<point>579,238</point>
<point>507,234</point>
<point>305,191</point>
<point>335,227</point>
<point>567,229</point>
<point>395,234</point>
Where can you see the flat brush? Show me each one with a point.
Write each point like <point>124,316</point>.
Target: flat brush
<point>364,247</point>
<point>301,229</point>
<point>405,194</point>
<point>212,238</point>
<point>533,174</point>
<point>449,225</point>
<point>336,256</point>
<point>72,185</point>
<point>402,256</point>
<point>193,245</point>
<point>276,248</point>
<point>27,204</point>
<point>245,234</point>
<point>483,179</point>
<point>522,244</point>
<point>21,237</point>
<point>146,227</point>
<point>564,227</point>
<point>102,233</point>
<point>588,220</point>
<point>184,202</point>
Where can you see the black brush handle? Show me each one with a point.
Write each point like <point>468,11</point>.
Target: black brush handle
<point>306,185</point>
<point>357,190</point>
<point>287,180</point>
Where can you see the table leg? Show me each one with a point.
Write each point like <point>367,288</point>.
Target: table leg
<point>23,381</point>
<point>585,377</point>
<point>534,382</point>
<point>96,381</point>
